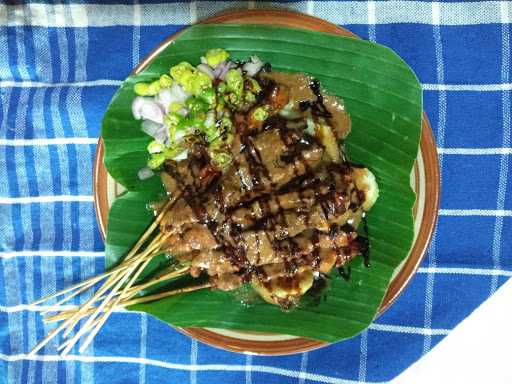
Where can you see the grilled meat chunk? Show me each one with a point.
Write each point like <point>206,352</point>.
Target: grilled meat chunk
<point>265,163</point>
<point>284,212</point>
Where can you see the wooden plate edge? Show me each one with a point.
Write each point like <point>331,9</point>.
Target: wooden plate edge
<point>398,284</point>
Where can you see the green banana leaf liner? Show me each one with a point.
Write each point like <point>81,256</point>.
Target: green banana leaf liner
<point>384,100</point>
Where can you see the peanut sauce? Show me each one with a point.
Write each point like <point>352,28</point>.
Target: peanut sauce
<point>299,86</point>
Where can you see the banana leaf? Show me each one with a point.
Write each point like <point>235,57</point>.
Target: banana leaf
<point>384,100</point>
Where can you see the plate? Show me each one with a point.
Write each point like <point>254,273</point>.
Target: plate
<point>424,181</point>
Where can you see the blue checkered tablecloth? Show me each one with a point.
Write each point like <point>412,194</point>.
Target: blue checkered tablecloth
<point>59,67</point>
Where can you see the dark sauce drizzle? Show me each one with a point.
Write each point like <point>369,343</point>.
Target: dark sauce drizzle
<point>229,235</point>
<point>345,273</point>
<point>364,244</point>
<point>267,67</point>
<point>318,291</point>
<point>318,108</point>
<point>267,87</point>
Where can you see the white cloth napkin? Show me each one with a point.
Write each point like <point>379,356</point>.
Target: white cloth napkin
<point>476,351</point>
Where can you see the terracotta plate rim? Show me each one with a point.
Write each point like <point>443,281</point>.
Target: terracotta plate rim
<point>432,190</point>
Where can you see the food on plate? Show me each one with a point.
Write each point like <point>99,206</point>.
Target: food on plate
<point>267,195</point>
<point>260,190</point>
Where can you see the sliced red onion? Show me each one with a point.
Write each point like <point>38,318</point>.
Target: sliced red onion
<point>150,127</point>
<point>148,109</point>
<point>162,134</point>
<point>153,109</point>
<point>218,69</point>
<point>253,67</point>
<point>222,68</point>
<point>167,96</point>
<point>207,70</point>
<point>137,104</point>
<point>145,173</point>
<point>164,99</point>
<point>178,94</point>
<point>155,130</point>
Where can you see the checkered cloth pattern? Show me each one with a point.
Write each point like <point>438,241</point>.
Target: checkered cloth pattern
<point>59,67</point>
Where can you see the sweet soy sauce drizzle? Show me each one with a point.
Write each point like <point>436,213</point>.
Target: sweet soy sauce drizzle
<point>272,216</point>
<point>345,272</point>
<point>318,108</point>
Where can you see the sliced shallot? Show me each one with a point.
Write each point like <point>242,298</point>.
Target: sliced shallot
<point>222,68</point>
<point>253,67</point>
<point>148,109</point>
<point>145,173</point>
<point>155,130</point>
<point>207,70</point>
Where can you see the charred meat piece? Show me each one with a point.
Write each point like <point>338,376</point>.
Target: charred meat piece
<point>263,163</point>
<point>193,176</point>
<point>284,212</point>
<point>275,229</point>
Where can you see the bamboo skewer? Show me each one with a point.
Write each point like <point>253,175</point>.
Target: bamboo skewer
<point>88,282</point>
<point>83,286</point>
<point>68,341</point>
<point>153,246</point>
<point>159,279</point>
<point>108,294</point>
<point>91,318</point>
<point>111,281</point>
<point>138,300</point>
<point>96,325</point>
<point>73,320</point>
<point>69,297</point>
<point>157,296</point>
<point>106,315</point>
<point>149,298</point>
<point>131,292</point>
<point>135,248</point>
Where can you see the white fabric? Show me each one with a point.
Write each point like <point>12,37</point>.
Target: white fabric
<point>476,351</point>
